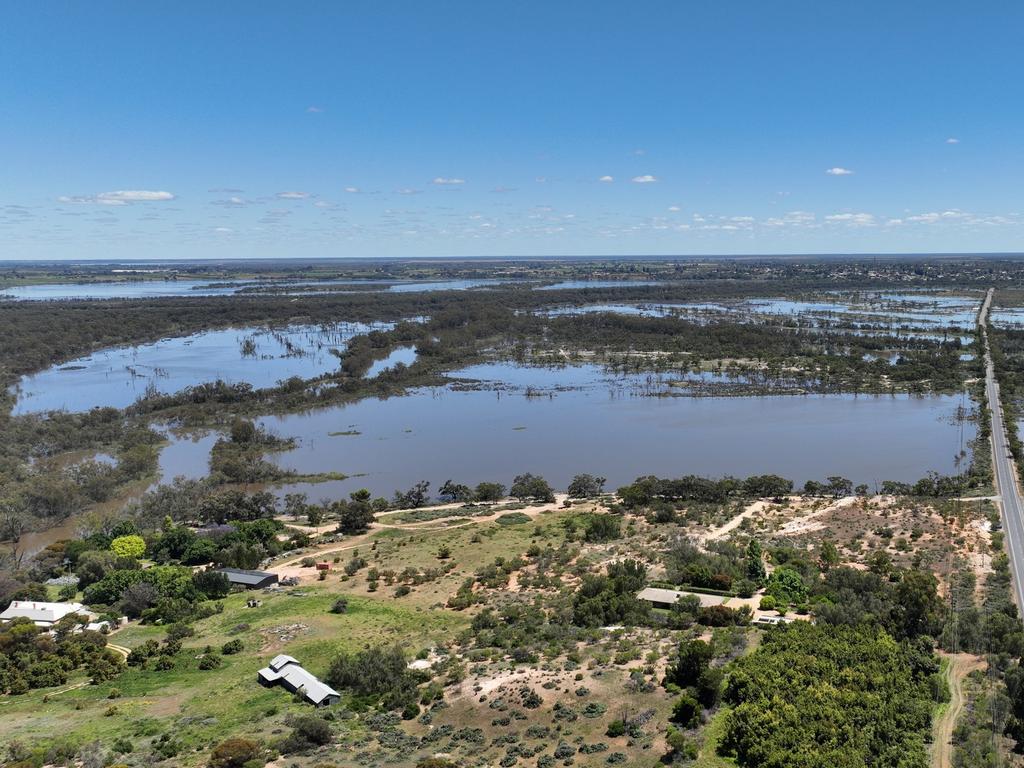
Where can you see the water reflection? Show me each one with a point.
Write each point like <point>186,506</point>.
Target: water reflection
<point>119,376</point>
<point>529,422</point>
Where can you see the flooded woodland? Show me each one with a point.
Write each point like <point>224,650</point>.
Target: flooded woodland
<point>479,374</point>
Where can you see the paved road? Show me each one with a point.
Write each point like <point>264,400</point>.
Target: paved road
<point>1005,470</point>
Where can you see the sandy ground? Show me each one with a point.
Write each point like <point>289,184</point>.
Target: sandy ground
<point>714,534</point>
<point>809,523</point>
<point>293,567</point>
<point>801,524</point>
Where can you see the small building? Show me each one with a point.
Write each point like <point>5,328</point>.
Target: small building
<point>666,598</point>
<point>43,614</point>
<point>249,579</point>
<point>772,620</point>
<point>287,671</point>
<point>323,566</point>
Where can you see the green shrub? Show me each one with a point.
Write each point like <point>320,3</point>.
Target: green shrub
<point>234,753</point>
<point>209,661</point>
<point>686,711</point>
<point>340,605</point>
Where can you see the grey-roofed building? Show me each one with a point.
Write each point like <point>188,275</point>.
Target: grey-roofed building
<point>666,598</point>
<point>287,671</point>
<point>43,614</point>
<point>249,579</point>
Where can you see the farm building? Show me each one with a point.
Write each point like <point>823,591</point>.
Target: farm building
<point>666,598</point>
<point>288,672</point>
<point>42,614</point>
<point>249,579</point>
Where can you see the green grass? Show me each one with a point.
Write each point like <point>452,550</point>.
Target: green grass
<point>513,518</point>
<point>199,707</point>
<point>713,735</point>
<point>942,706</point>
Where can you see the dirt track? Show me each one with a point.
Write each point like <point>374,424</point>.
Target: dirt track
<point>960,665</point>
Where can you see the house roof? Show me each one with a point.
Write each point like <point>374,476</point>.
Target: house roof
<point>287,670</point>
<point>41,613</point>
<point>659,595</point>
<point>238,576</point>
<point>282,660</point>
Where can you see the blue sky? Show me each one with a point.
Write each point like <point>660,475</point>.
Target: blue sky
<point>271,129</point>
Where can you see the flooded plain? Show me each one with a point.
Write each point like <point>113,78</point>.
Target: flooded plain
<point>563,421</point>
<point>403,355</point>
<point>884,311</point>
<point>119,376</point>
<point>151,289</point>
<point>496,420</point>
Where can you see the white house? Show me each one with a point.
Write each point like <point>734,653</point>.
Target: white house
<point>288,672</point>
<point>43,614</point>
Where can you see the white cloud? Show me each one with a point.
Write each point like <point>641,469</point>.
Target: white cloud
<point>323,204</point>
<point>408,191</point>
<point>645,179</point>
<point>606,179</point>
<point>119,197</point>
<point>76,199</point>
<point>314,110</point>
<point>441,180</point>
<point>293,195</point>
<point>793,219</point>
<point>223,230</point>
<point>955,215</point>
<point>352,190</point>
<point>952,140</point>
<point>852,219</point>
<point>135,196</point>
<point>837,171</point>
<point>674,208</point>
<point>232,202</point>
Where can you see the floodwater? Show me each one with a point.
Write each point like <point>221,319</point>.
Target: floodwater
<point>403,355</point>
<point>572,284</point>
<point>889,312</point>
<point>132,289</point>
<point>900,310</point>
<point>442,285</point>
<point>185,456</point>
<point>1007,317</point>
<point>636,310</point>
<point>150,289</point>
<point>119,376</point>
<point>498,420</point>
<point>528,421</point>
